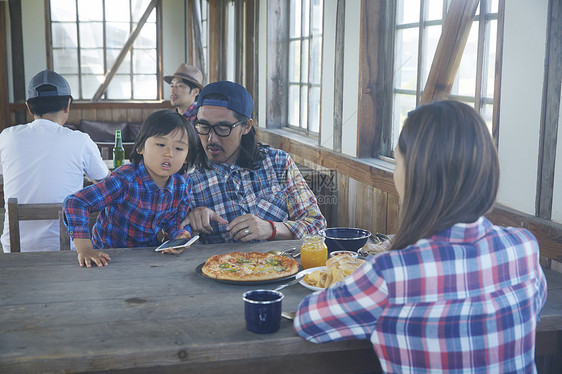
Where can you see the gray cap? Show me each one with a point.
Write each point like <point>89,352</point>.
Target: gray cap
<point>48,77</point>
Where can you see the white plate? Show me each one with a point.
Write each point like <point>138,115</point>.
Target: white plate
<point>308,271</point>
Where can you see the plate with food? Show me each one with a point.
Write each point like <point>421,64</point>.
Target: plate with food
<point>337,269</point>
<point>248,268</point>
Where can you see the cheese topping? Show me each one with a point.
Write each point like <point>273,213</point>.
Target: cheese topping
<point>246,266</point>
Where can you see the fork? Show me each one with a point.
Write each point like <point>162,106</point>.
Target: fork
<point>294,281</point>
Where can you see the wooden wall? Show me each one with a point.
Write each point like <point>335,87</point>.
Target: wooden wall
<point>367,197</point>
<point>104,112</point>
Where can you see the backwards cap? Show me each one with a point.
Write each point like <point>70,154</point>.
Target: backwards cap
<point>237,98</point>
<point>48,77</point>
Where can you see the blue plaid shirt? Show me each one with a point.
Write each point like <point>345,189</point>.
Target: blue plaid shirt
<point>466,300</point>
<point>133,209</point>
<point>276,191</point>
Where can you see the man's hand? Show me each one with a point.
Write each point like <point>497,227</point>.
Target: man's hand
<point>200,220</point>
<point>87,254</point>
<point>249,227</point>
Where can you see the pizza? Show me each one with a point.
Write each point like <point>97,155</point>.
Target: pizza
<point>249,266</point>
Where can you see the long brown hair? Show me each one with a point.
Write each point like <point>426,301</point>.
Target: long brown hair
<point>451,170</point>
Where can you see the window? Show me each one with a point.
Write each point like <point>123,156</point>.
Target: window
<point>87,37</point>
<point>204,32</point>
<point>305,65</point>
<point>418,29</point>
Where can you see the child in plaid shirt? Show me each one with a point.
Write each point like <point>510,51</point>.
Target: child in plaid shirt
<point>138,200</point>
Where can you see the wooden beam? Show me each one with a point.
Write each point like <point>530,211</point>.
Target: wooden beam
<point>376,84</point>
<point>189,18</point>
<point>550,112</point>
<point>48,36</point>
<point>338,78</point>
<point>199,59</point>
<point>249,47</point>
<point>126,48</point>
<point>18,71</point>
<point>215,48</point>
<point>239,49</point>
<point>497,75</point>
<point>159,54</point>
<point>4,87</point>
<point>450,48</point>
<point>277,63</point>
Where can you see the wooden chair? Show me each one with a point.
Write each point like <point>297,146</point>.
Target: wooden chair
<point>31,212</point>
<point>64,237</point>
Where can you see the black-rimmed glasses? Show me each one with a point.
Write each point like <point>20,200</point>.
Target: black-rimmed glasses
<point>221,129</point>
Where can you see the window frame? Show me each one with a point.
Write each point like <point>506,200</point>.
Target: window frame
<point>79,96</point>
<point>304,78</point>
<point>480,99</point>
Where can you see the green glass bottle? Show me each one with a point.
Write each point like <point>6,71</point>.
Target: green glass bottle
<point>118,150</point>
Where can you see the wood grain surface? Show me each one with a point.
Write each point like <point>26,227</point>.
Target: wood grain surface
<point>145,311</point>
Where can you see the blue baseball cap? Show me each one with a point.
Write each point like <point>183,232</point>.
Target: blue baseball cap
<point>49,78</point>
<point>236,97</point>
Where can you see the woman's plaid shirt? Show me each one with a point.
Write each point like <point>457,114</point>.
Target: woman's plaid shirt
<point>465,300</point>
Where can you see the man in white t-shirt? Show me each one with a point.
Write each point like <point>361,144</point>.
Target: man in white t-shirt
<point>44,162</point>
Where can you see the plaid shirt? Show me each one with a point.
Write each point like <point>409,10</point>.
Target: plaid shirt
<point>191,112</point>
<point>465,300</point>
<point>276,191</point>
<point>133,209</point>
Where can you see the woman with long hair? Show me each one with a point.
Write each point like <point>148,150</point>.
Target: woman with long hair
<point>456,293</point>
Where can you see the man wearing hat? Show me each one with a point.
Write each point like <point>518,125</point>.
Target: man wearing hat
<point>185,85</point>
<point>244,190</point>
<point>44,162</point>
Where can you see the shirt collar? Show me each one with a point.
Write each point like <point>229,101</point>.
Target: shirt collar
<point>149,183</point>
<point>465,232</point>
<point>189,112</point>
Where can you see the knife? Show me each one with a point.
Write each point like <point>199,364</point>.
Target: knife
<point>297,279</point>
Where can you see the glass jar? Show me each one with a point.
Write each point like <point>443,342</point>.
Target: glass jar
<point>313,251</point>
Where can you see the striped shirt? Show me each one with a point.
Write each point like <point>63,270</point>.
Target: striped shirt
<point>465,300</point>
<point>276,191</point>
<point>133,209</point>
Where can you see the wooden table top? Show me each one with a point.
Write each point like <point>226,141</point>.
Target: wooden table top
<point>151,312</point>
<point>143,310</point>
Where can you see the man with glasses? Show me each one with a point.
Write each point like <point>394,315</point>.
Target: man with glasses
<point>244,190</point>
<point>185,85</point>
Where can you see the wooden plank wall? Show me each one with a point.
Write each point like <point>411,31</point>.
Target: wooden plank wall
<point>105,112</point>
<point>367,197</point>
<point>359,204</point>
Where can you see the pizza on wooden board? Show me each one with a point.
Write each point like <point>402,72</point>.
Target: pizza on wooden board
<point>249,266</point>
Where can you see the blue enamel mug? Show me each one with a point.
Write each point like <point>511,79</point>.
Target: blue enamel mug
<point>262,310</point>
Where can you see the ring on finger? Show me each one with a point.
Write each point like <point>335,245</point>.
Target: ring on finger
<point>247,231</point>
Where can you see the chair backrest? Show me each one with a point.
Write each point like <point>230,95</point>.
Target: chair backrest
<point>29,212</point>
<point>64,237</point>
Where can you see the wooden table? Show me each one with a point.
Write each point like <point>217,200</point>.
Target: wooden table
<point>147,312</point>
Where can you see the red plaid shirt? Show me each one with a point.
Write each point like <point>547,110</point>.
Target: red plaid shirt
<point>133,209</point>
<point>465,300</point>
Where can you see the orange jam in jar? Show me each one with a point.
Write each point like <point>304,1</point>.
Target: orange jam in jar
<point>313,251</point>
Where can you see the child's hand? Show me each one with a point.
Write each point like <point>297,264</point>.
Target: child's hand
<point>87,254</point>
<point>178,251</point>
